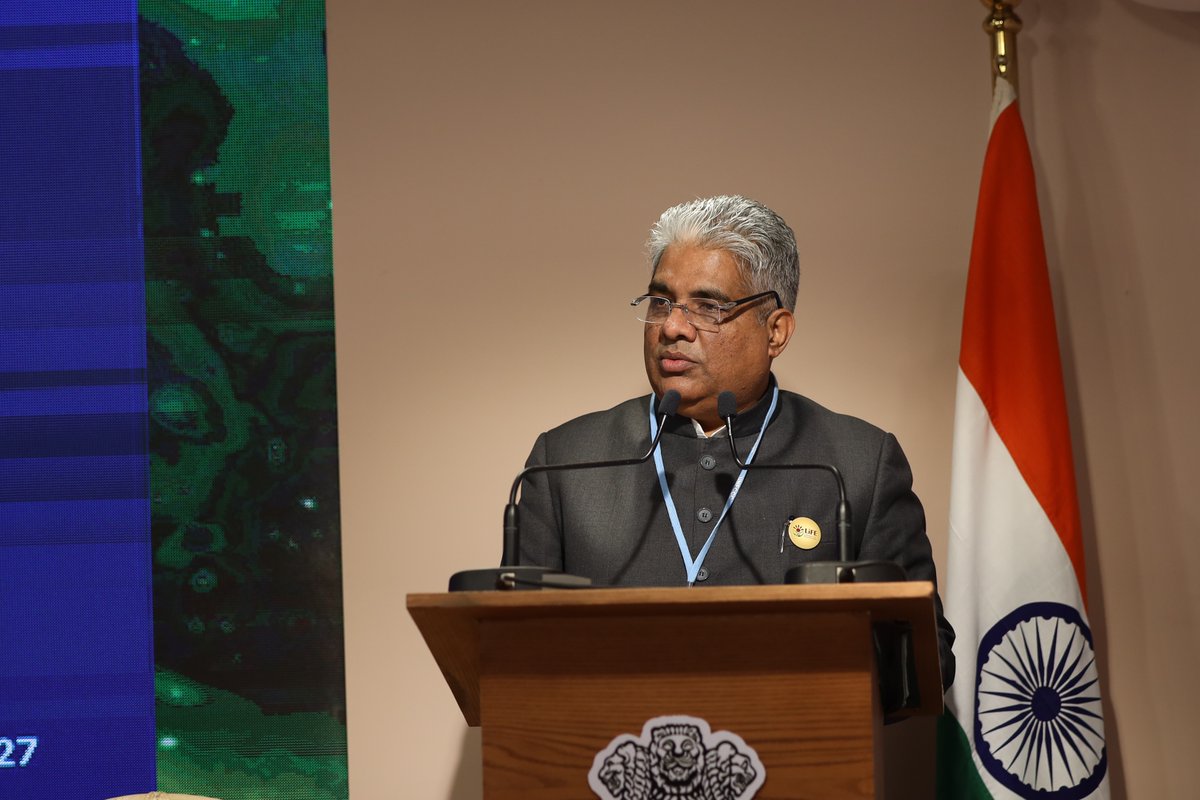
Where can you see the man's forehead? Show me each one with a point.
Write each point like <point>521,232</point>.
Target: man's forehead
<point>698,272</point>
<point>708,291</point>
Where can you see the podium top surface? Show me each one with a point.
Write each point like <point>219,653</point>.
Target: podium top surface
<point>450,622</point>
<point>677,599</point>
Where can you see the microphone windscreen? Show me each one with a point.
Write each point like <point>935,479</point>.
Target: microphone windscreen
<point>726,405</point>
<point>669,404</point>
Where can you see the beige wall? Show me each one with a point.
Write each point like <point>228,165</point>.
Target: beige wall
<point>496,166</point>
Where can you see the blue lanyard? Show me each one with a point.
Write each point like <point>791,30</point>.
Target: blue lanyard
<point>693,567</point>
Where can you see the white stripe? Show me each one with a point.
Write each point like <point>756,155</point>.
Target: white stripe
<point>1003,552</point>
<point>1003,96</point>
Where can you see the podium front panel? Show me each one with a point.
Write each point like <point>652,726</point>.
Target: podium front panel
<point>797,688</point>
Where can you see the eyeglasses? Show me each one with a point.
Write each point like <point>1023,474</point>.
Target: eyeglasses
<point>702,313</point>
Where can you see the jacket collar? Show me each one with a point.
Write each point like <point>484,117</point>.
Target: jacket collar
<point>748,423</point>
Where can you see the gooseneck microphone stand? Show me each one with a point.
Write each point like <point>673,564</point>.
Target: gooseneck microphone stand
<point>511,574</point>
<point>843,570</point>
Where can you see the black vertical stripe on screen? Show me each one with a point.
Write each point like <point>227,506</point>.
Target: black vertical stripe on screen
<point>72,435</point>
<point>36,37</point>
<point>52,379</point>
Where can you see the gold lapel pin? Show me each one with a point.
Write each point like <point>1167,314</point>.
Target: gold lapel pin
<point>804,532</point>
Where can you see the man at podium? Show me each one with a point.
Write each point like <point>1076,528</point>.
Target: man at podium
<point>717,311</point>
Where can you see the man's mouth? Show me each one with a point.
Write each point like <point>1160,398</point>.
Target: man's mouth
<point>674,363</point>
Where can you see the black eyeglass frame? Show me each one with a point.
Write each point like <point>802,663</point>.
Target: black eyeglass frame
<point>722,308</point>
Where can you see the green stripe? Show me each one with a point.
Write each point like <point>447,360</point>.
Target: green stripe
<point>957,778</point>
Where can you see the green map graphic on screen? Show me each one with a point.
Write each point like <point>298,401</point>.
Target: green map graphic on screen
<point>250,689</point>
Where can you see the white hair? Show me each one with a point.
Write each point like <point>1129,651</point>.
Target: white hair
<point>761,243</point>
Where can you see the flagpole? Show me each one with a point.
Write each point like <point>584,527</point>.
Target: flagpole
<point>1002,26</point>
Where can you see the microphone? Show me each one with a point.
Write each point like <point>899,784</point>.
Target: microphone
<point>843,570</point>
<point>511,575</point>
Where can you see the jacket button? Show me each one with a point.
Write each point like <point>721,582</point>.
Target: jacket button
<point>702,575</point>
<point>708,462</point>
<point>704,514</point>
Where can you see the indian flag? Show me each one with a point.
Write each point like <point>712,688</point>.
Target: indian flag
<point>1023,717</point>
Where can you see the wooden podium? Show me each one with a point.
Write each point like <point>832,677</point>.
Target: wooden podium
<point>554,676</point>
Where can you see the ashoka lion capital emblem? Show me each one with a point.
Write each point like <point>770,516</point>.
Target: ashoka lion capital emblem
<point>677,758</point>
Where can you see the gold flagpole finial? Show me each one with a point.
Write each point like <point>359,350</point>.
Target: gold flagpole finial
<point>1002,25</point>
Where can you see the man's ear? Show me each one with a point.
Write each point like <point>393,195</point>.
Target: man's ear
<point>780,327</point>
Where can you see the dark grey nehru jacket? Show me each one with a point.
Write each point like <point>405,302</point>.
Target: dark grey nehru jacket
<point>612,526</point>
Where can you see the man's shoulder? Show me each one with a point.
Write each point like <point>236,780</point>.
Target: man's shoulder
<point>633,410</point>
<point>811,418</point>
<point>625,421</point>
<point>854,445</point>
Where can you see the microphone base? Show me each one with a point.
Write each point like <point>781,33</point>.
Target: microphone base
<point>514,578</point>
<point>846,572</point>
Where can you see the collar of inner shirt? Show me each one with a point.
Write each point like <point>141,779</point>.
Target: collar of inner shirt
<point>700,434</point>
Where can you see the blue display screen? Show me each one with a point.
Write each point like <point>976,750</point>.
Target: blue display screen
<point>77,667</point>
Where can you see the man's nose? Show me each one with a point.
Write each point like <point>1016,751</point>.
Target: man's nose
<point>677,325</point>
